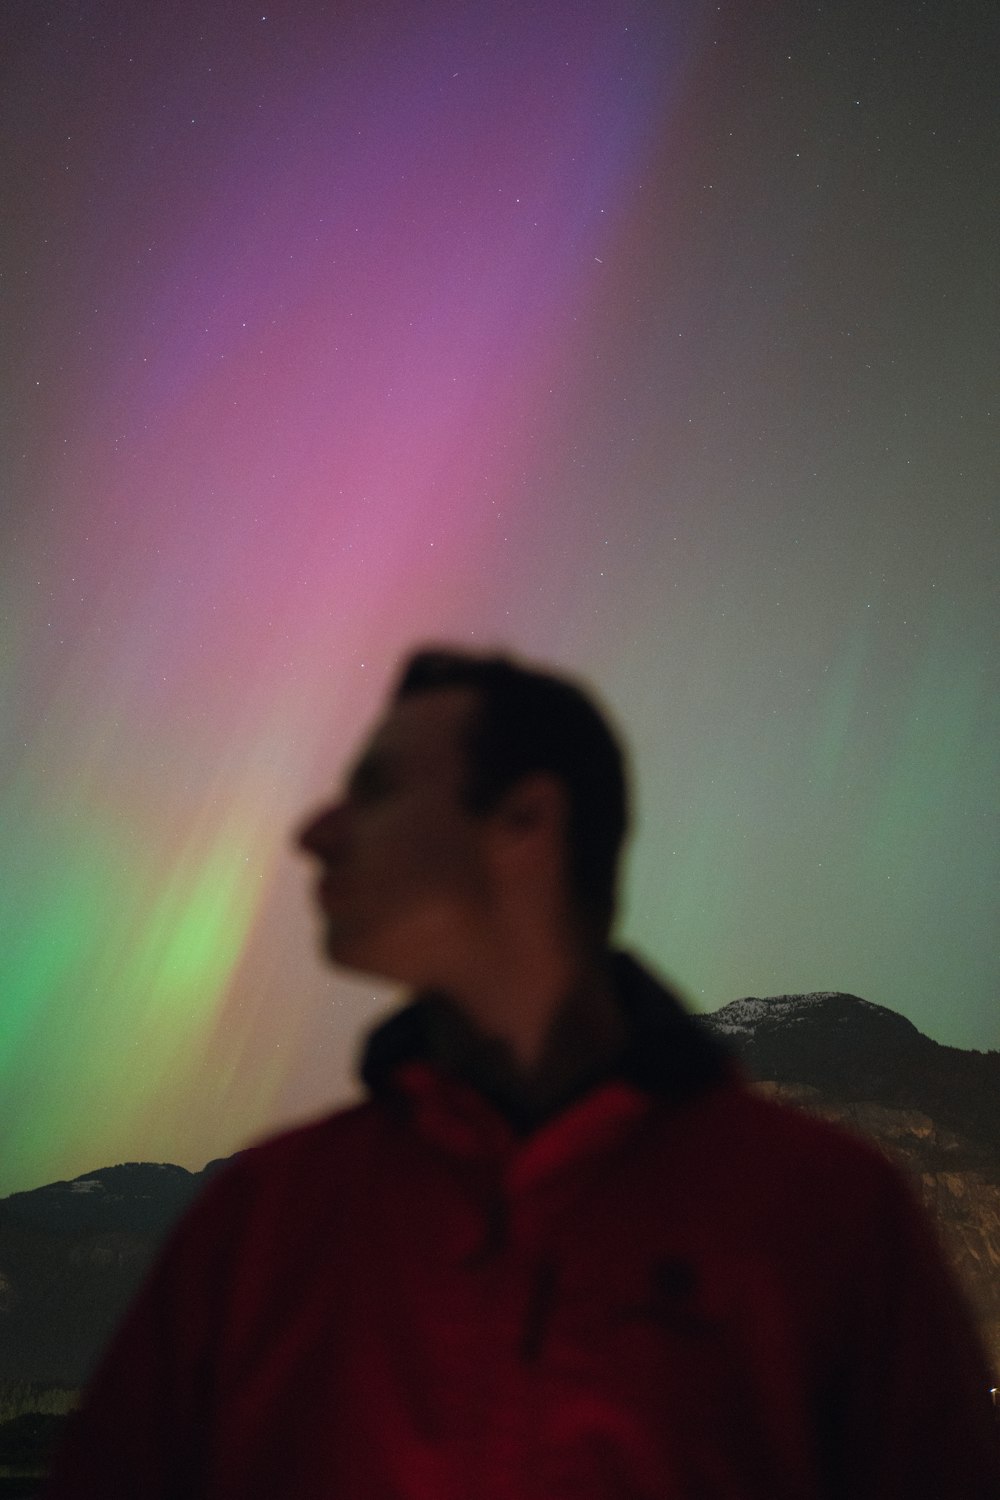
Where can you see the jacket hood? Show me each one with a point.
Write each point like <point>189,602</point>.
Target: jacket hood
<point>667,1053</point>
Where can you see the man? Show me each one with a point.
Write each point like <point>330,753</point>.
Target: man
<point>562,1252</point>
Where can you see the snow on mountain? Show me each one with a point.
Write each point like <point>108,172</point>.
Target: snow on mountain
<point>743,1017</point>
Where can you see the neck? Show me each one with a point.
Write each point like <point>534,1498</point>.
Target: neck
<point>549,1006</point>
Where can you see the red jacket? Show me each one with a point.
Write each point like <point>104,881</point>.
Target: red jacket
<point>673,1289</point>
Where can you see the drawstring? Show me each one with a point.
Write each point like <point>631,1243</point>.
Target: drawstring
<point>538,1311</point>
<point>542,1293</point>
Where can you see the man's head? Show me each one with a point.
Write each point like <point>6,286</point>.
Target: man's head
<point>527,721</point>
<point>486,782</point>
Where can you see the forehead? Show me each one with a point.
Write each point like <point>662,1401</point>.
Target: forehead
<point>424,734</point>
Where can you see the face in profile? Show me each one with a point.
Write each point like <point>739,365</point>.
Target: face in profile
<point>403,875</point>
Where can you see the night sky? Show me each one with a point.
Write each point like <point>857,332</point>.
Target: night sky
<point>657,341</point>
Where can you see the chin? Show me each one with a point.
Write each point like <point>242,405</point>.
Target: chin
<point>341,951</point>
<point>355,954</point>
<point>397,952</point>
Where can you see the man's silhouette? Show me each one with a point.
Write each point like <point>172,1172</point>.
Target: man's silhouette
<point>562,1251</point>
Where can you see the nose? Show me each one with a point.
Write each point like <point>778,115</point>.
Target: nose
<point>321,834</point>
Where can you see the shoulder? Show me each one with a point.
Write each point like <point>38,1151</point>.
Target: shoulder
<point>791,1162</point>
<point>773,1121</point>
<point>331,1139</point>
<point>299,1174</point>
<point>838,1222</point>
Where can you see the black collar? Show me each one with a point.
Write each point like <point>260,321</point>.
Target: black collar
<point>667,1052</point>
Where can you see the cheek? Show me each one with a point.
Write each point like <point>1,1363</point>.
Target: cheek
<point>452,857</point>
<point>441,868</point>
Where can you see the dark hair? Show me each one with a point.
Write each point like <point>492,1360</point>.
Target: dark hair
<point>533,720</point>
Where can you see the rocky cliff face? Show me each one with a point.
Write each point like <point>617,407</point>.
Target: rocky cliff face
<point>964,1204</point>
<point>934,1110</point>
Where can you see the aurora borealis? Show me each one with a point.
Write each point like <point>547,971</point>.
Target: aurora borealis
<point>657,341</point>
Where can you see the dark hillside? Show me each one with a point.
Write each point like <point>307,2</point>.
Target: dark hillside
<point>858,1052</point>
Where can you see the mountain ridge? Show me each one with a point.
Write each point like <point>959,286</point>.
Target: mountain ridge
<point>858,1052</point>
